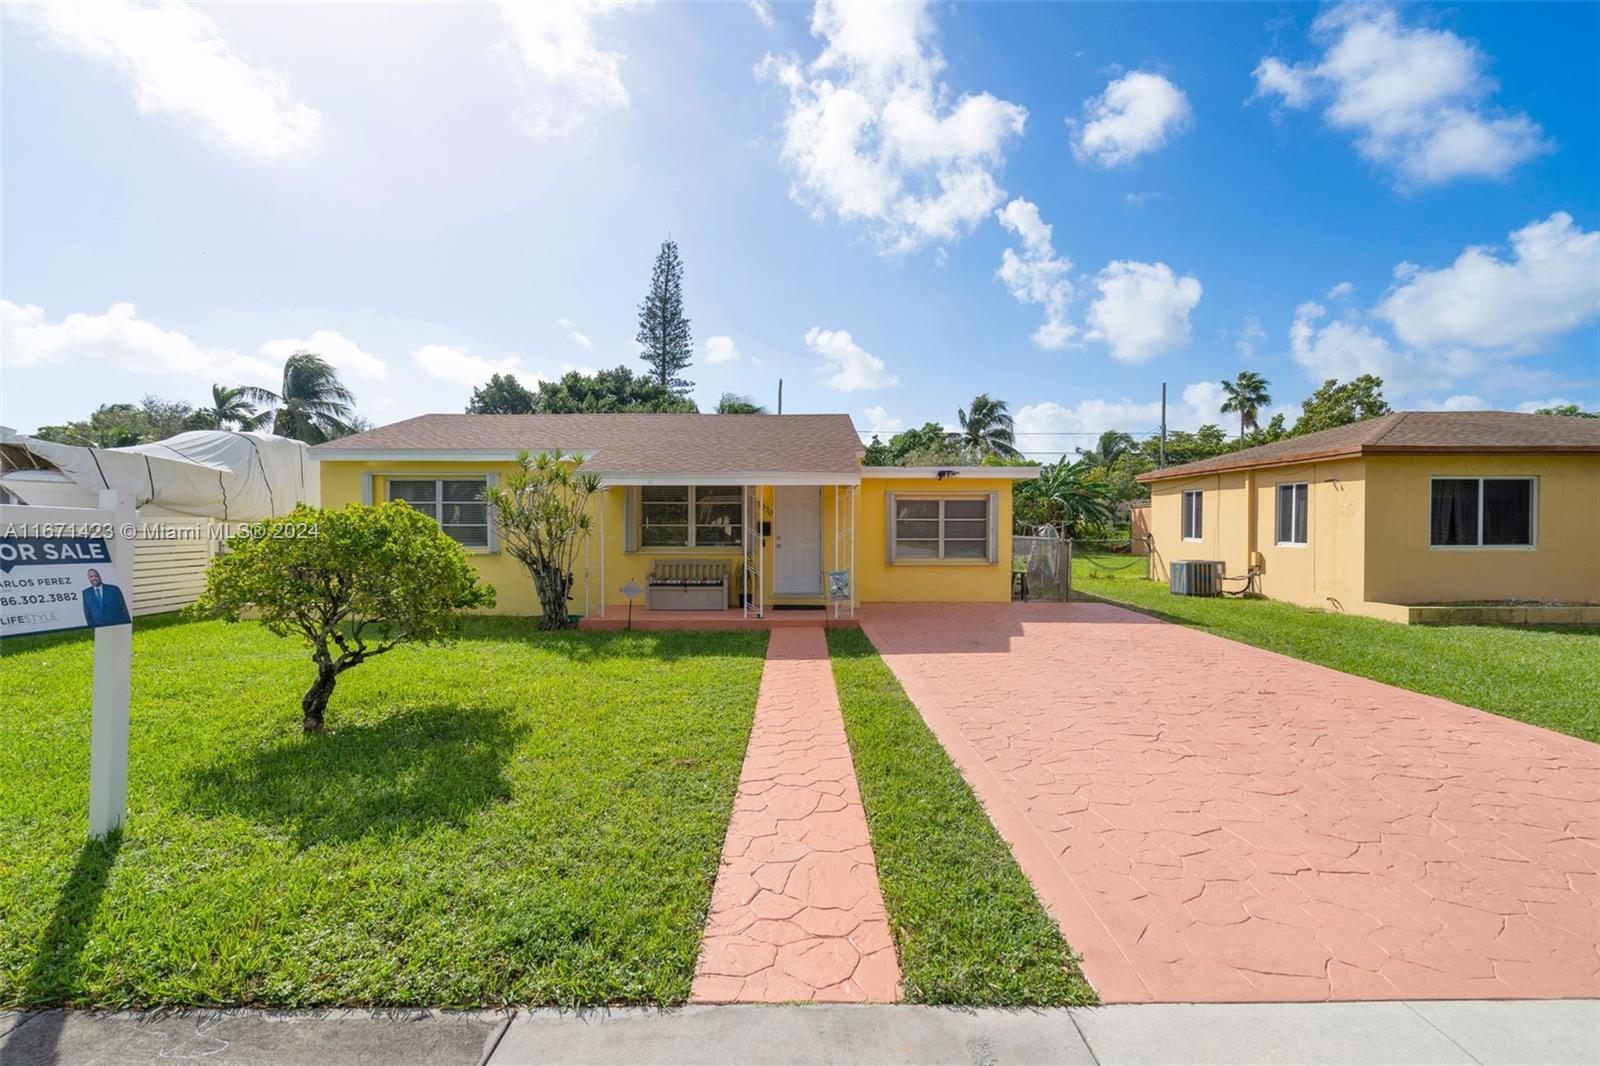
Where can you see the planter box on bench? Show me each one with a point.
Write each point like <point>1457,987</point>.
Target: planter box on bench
<point>687,585</point>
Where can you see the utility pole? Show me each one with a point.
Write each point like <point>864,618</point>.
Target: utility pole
<point>780,396</point>
<point>1163,460</point>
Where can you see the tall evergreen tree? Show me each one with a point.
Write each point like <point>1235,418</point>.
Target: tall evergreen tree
<point>663,330</point>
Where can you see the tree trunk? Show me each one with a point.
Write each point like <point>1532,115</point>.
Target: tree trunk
<point>315,703</point>
<point>553,585</point>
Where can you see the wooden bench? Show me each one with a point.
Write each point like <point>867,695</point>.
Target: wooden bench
<point>687,585</point>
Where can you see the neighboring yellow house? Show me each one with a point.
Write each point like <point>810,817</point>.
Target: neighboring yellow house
<point>1408,509</point>
<point>782,501</point>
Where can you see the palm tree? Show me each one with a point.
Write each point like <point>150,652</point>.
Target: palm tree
<point>1247,394</point>
<point>231,409</point>
<point>734,404</point>
<point>1067,496</point>
<point>1111,447</point>
<point>314,405</point>
<point>986,429</point>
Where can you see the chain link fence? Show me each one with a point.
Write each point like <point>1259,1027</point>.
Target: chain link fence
<point>1042,566</point>
<point>1040,569</point>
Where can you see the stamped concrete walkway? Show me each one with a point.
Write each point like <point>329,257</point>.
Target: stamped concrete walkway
<point>1212,822</point>
<point>796,913</point>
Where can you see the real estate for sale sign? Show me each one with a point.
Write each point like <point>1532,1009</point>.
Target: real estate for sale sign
<point>54,583</point>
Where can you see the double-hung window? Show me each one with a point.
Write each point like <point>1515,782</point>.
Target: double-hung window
<point>1193,528</point>
<point>1292,499</point>
<point>455,503</point>
<point>691,516</point>
<point>1482,512</point>
<point>947,527</point>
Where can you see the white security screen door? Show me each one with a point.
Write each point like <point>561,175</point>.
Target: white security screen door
<point>797,525</point>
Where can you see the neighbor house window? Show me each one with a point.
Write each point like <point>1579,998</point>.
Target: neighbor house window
<point>1292,499</point>
<point>691,516</point>
<point>1482,512</point>
<point>955,527</point>
<point>1191,515</point>
<point>455,503</point>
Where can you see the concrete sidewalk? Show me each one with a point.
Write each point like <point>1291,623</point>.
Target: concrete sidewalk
<point>1502,1032</point>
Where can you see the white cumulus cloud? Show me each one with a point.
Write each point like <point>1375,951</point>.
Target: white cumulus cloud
<point>1530,406</point>
<point>1416,98</point>
<point>1142,309</point>
<point>578,336</point>
<point>874,135</point>
<point>721,350</point>
<point>1247,337</point>
<point>1036,275</point>
<point>762,11</point>
<point>178,62</point>
<point>851,367</point>
<point>1135,114</point>
<point>121,339</point>
<point>568,73</point>
<point>1550,284</point>
<point>343,354</point>
<point>1456,403</point>
<point>460,366</point>
<point>878,421</point>
<point>1050,428</point>
<point>1465,324</point>
<point>1346,348</point>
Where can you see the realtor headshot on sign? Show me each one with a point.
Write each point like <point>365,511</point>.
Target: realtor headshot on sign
<point>103,604</point>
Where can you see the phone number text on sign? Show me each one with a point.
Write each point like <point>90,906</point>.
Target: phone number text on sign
<point>55,583</point>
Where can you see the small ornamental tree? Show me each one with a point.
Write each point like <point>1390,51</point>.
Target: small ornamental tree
<point>543,510</point>
<point>352,583</point>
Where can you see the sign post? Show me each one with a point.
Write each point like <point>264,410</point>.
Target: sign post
<point>631,590</point>
<point>67,568</point>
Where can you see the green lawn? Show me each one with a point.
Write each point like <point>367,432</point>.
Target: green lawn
<point>1546,675</point>
<point>518,818</point>
<point>966,922</point>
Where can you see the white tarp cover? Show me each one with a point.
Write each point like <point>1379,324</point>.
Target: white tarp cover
<point>238,477</point>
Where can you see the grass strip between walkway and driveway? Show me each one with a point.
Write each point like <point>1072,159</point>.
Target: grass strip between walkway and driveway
<point>1545,675</point>
<point>516,818</point>
<point>965,919</point>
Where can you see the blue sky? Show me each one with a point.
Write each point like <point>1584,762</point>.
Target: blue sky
<point>860,194</point>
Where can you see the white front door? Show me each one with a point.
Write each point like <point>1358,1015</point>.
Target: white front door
<point>797,556</point>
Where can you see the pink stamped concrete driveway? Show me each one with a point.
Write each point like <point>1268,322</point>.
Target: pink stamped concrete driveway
<point>796,913</point>
<point>1209,821</point>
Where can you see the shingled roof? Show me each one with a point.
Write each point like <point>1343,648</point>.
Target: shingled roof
<point>1410,431</point>
<point>627,444</point>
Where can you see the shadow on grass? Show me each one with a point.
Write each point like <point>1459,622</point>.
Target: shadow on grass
<point>53,970</point>
<point>44,641</point>
<point>597,645</point>
<point>400,776</point>
<point>1084,596</point>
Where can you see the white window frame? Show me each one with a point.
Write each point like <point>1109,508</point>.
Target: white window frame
<point>990,507</point>
<point>1533,514</point>
<point>492,528</point>
<point>690,501</point>
<point>1198,525</point>
<point>1294,513</point>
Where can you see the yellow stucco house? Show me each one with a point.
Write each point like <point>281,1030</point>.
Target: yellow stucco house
<point>1388,516</point>
<point>780,504</point>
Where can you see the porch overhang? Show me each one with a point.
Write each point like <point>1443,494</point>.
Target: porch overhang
<point>945,473</point>
<point>752,478</point>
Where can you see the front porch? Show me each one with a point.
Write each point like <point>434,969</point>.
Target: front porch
<point>783,550</point>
